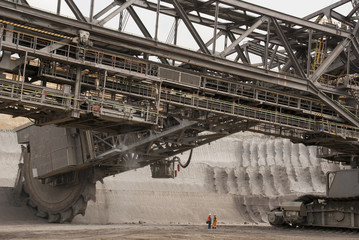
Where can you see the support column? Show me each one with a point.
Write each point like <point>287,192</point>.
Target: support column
<point>175,37</point>
<point>76,108</point>
<point>9,34</point>
<point>23,77</point>
<point>91,10</point>
<point>1,35</point>
<point>288,48</point>
<point>157,18</point>
<point>58,7</point>
<point>348,59</point>
<point>266,56</point>
<point>215,28</point>
<point>103,88</point>
<point>120,22</point>
<point>158,99</point>
<point>309,52</point>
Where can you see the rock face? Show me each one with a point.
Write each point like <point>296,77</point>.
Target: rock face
<point>11,209</point>
<point>7,122</point>
<point>239,178</point>
<point>10,152</point>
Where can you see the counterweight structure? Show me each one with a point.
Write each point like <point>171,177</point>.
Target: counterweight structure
<point>126,101</point>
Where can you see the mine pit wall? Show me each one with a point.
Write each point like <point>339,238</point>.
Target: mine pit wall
<point>239,178</point>
<point>10,152</point>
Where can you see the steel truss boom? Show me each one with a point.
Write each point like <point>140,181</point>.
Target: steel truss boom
<point>292,60</point>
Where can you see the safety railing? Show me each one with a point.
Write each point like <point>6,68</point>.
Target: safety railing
<point>234,109</point>
<point>112,84</point>
<point>237,89</point>
<point>35,43</point>
<point>258,114</point>
<point>52,98</point>
<point>268,96</point>
<point>350,81</point>
<point>16,90</point>
<point>79,53</point>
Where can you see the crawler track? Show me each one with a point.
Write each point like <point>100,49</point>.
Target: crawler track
<point>323,212</point>
<point>308,198</point>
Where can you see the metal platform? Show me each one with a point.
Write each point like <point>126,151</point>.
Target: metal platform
<point>116,83</point>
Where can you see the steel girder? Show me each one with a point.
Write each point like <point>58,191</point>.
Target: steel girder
<point>285,34</point>
<point>232,29</point>
<point>330,59</point>
<point>181,12</point>
<point>114,38</point>
<point>238,48</point>
<point>305,87</point>
<point>147,35</point>
<point>288,49</point>
<point>143,28</point>
<point>125,152</point>
<point>76,11</point>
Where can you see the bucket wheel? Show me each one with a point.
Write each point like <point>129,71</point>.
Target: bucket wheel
<point>59,203</point>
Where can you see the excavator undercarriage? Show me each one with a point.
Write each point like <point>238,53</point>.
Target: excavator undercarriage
<point>339,208</point>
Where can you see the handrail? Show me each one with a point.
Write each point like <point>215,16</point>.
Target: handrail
<point>48,93</point>
<point>121,62</point>
<point>96,55</point>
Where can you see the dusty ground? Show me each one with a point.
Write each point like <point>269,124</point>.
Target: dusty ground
<point>146,231</point>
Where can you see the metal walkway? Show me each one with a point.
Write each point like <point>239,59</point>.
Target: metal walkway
<point>79,73</point>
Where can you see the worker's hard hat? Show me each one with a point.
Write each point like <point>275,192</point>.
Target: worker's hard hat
<point>209,214</point>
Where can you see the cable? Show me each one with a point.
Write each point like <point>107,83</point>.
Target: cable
<point>188,161</point>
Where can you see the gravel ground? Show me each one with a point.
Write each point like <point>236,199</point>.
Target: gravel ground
<point>146,231</point>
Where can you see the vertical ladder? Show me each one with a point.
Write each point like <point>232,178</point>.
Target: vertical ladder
<point>319,52</point>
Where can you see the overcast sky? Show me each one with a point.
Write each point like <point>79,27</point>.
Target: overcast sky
<point>297,8</point>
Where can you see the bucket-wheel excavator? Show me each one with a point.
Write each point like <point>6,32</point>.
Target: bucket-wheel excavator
<point>103,100</point>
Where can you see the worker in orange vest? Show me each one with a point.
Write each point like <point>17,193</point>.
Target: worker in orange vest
<point>209,221</point>
<point>214,226</point>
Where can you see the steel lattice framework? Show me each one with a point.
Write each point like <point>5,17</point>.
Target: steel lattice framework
<point>255,70</point>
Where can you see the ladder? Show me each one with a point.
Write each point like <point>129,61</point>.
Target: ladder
<point>319,52</point>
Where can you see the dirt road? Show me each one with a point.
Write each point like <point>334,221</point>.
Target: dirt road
<point>147,231</point>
